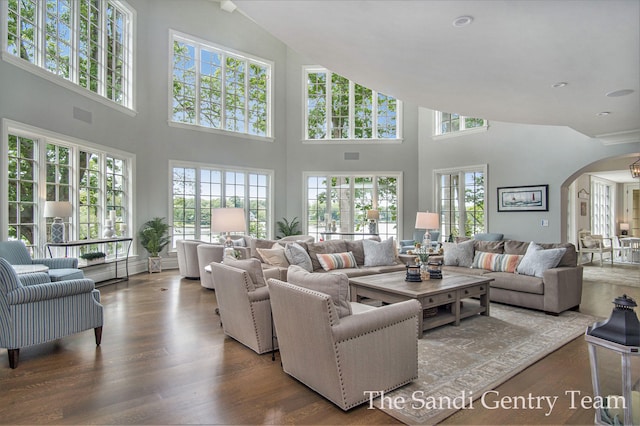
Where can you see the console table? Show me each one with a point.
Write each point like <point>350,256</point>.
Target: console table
<point>119,256</point>
<point>329,235</point>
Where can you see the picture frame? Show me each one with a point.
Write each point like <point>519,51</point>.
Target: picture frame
<point>531,198</point>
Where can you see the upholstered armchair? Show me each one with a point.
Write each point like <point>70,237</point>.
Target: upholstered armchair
<point>188,258</point>
<point>34,311</point>
<point>342,358</point>
<point>594,244</point>
<point>60,268</point>
<point>243,303</point>
<point>210,253</point>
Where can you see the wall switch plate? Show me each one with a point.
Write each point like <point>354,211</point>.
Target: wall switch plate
<point>545,222</point>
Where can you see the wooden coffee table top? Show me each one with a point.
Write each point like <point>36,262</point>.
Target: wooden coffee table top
<point>394,282</point>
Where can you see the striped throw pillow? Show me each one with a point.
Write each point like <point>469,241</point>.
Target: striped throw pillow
<point>332,261</point>
<point>496,262</point>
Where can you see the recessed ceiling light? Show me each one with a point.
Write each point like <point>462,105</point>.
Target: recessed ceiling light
<point>603,113</point>
<point>617,93</point>
<point>559,84</point>
<point>462,21</point>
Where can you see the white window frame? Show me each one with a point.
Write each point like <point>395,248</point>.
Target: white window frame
<point>38,68</point>
<point>437,127</point>
<point>601,227</point>
<point>306,70</point>
<point>198,42</point>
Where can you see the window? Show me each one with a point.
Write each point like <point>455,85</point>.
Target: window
<point>86,42</point>
<point>344,199</point>
<point>219,89</point>
<point>93,179</point>
<point>461,200</point>
<point>602,208</point>
<point>339,109</point>
<point>197,189</point>
<point>446,123</point>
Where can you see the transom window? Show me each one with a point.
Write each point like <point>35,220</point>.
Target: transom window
<point>450,123</point>
<point>219,89</point>
<point>342,201</point>
<point>86,42</point>
<point>461,200</point>
<point>338,109</point>
<point>197,189</point>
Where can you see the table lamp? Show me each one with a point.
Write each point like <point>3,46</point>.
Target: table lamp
<point>57,210</point>
<point>373,216</point>
<point>427,221</point>
<point>624,229</point>
<point>227,220</point>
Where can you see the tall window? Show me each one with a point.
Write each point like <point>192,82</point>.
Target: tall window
<point>338,109</point>
<point>216,88</point>
<point>87,42</point>
<point>197,189</point>
<point>602,208</point>
<point>344,199</point>
<point>461,200</point>
<point>448,123</point>
<point>67,170</point>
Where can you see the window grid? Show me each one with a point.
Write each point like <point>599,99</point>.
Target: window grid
<point>89,223</point>
<point>116,194</point>
<point>258,205</point>
<point>86,42</point>
<point>448,123</point>
<point>602,209</point>
<point>23,190</point>
<point>461,200</point>
<point>214,88</point>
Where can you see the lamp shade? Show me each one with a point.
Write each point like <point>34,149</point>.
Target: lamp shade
<point>228,220</point>
<point>373,214</point>
<point>624,226</point>
<point>57,209</point>
<point>426,220</point>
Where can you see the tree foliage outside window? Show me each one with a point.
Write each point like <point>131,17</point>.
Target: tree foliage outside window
<point>337,108</point>
<point>345,200</point>
<point>461,199</point>
<point>215,88</point>
<point>87,42</point>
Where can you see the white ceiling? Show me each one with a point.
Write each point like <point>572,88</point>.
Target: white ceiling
<point>500,67</point>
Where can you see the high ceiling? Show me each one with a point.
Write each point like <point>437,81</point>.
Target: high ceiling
<point>500,67</point>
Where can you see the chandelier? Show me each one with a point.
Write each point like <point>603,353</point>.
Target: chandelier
<point>635,169</point>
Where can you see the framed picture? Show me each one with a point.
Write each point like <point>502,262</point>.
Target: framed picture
<point>583,208</point>
<point>523,198</point>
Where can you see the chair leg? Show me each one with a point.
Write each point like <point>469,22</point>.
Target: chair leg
<point>14,355</point>
<point>98,332</point>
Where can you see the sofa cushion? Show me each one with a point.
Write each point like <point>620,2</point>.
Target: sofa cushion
<point>334,284</point>
<point>514,282</point>
<point>379,253</point>
<point>496,261</point>
<point>357,248</point>
<point>297,255</point>
<point>257,243</point>
<point>570,257</point>
<point>537,260</point>
<point>488,236</point>
<point>465,271</point>
<point>459,254</point>
<point>274,256</point>
<point>489,246</point>
<point>252,266</point>
<point>330,261</point>
<point>331,246</point>
<point>515,247</point>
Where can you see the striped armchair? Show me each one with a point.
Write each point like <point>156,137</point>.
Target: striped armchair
<point>34,312</point>
<point>61,268</point>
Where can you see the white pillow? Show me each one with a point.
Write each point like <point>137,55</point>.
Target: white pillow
<point>379,253</point>
<point>458,254</point>
<point>297,255</point>
<point>537,260</point>
<point>274,256</point>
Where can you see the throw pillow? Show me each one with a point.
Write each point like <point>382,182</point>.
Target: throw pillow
<point>458,254</point>
<point>252,266</point>
<point>536,260</point>
<point>379,253</point>
<point>337,261</point>
<point>335,284</point>
<point>496,262</point>
<point>297,255</point>
<point>274,256</point>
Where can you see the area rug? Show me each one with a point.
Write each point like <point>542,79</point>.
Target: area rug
<point>458,364</point>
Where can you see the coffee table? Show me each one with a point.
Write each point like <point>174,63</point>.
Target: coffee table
<point>448,291</point>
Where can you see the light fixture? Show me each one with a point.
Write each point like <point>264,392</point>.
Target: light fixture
<point>427,221</point>
<point>227,220</point>
<point>227,6</point>
<point>57,210</point>
<point>462,21</point>
<point>373,216</point>
<point>618,93</point>
<point>603,113</point>
<point>635,169</point>
<point>624,228</point>
<point>559,84</point>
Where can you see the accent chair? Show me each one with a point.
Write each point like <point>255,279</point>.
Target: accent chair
<point>60,268</point>
<point>594,244</point>
<point>34,310</point>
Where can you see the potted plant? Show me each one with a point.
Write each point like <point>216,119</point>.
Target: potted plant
<point>154,236</point>
<point>287,228</point>
<point>92,258</point>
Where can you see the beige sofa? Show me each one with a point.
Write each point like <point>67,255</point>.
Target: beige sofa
<point>559,288</point>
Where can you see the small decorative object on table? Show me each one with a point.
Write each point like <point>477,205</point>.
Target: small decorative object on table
<point>108,229</point>
<point>91,258</point>
<point>435,270</point>
<point>422,253</point>
<point>413,273</point>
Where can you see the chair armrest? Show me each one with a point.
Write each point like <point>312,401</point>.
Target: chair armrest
<point>562,288</point>
<point>58,262</point>
<point>260,293</point>
<point>37,292</point>
<point>35,278</point>
<point>367,322</point>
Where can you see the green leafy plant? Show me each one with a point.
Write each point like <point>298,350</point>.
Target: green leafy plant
<point>287,228</point>
<point>92,255</point>
<point>154,235</point>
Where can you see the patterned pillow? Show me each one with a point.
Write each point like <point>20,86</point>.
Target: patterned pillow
<point>379,253</point>
<point>337,261</point>
<point>297,255</point>
<point>496,262</point>
<point>537,260</point>
<point>459,254</point>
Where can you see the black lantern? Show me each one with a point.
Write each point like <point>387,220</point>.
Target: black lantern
<point>623,326</point>
<point>435,270</point>
<point>413,273</point>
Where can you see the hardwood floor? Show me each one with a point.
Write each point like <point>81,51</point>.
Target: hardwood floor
<point>165,360</point>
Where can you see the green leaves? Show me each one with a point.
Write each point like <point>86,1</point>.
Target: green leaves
<point>154,235</point>
<point>287,228</point>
